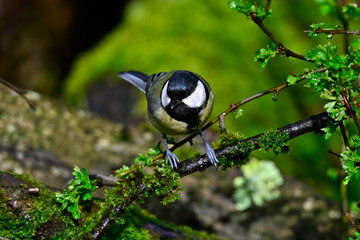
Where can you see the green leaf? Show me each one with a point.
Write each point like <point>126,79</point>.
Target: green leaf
<point>292,79</point>
<point>352,11</point>
<point>264,55</point>
<point>315,27</point>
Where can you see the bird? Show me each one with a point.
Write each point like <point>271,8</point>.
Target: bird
<point>178,103</point>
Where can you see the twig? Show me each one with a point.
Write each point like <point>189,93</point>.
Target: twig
<point>334,153</point>
<point>267,7</point>
<point>347,215</point>
<point>334,31</point>
<point>222,123</point>
<point>282,48</point>
<point>344,135</point>
<point>350,110</point>
<point>19,91</point>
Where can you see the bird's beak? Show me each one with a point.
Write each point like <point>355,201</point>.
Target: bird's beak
<point>173,103</point>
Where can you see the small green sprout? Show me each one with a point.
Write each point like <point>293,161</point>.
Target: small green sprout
<point>263,55</point>
<point>79,189</point>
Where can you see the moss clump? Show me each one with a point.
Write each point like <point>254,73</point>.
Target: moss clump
<point>23,213</point>
<point>274,140</point>
<point>228,138</point>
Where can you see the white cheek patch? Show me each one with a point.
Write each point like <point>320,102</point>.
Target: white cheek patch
<point>197,98</point>
<point>165,100</point>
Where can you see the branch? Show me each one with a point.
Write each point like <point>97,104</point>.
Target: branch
<point>201,163</point>
<point>347,215</point>
<point>103,180</point>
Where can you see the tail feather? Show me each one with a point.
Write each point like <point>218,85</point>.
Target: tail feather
<point>138,79</point>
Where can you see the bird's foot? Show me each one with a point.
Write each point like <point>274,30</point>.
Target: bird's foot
<point>211,154</point>
<point>172,158</point>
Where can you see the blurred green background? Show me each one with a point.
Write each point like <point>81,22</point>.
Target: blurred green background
<point>61,48</point>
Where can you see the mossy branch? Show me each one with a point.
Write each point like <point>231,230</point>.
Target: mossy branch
<point>313,123</point>
<point>201,163</point>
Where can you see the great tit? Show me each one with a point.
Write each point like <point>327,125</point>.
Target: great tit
<point>179,102</point>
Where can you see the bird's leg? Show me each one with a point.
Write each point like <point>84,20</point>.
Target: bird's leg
<point>172,158</point>
<point>209,151</point>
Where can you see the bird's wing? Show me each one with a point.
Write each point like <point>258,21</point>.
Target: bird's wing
<point>138,79</point>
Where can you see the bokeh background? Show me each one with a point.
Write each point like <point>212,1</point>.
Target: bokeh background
<point>71,50</point>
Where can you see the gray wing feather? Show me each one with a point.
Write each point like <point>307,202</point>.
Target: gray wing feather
<point>138,79</point>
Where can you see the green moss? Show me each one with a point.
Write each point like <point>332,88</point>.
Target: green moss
<point>21,216</point>
<point>140,224</point>
<point>276,141</point>
<point>228,138</point>
<point>242,151</point>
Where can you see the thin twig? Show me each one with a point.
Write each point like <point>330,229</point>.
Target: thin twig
<point>344,135</point>
<point>347,215</point>
<point>350,110</point>
<point>222,123</point>
<point>282,48</point>
<point>334,31</point>
<point>334,153</point>
<point>19,91</point>
<point>267,7</point>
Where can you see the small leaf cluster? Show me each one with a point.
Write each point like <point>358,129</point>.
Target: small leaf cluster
<point>315,27</point>
<point>147,159</point>
<point>352,11</point>
<point>258,184</point>
<point>319,26</point>
<point>330,7</point>
<point>79,189</point>
<point>263,55</point>
<point>247,8</point>
<point>337,83</point>
<point>351,160</point>
<point>274,140</point>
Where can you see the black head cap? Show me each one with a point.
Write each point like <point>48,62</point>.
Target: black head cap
<point>182,84</point>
